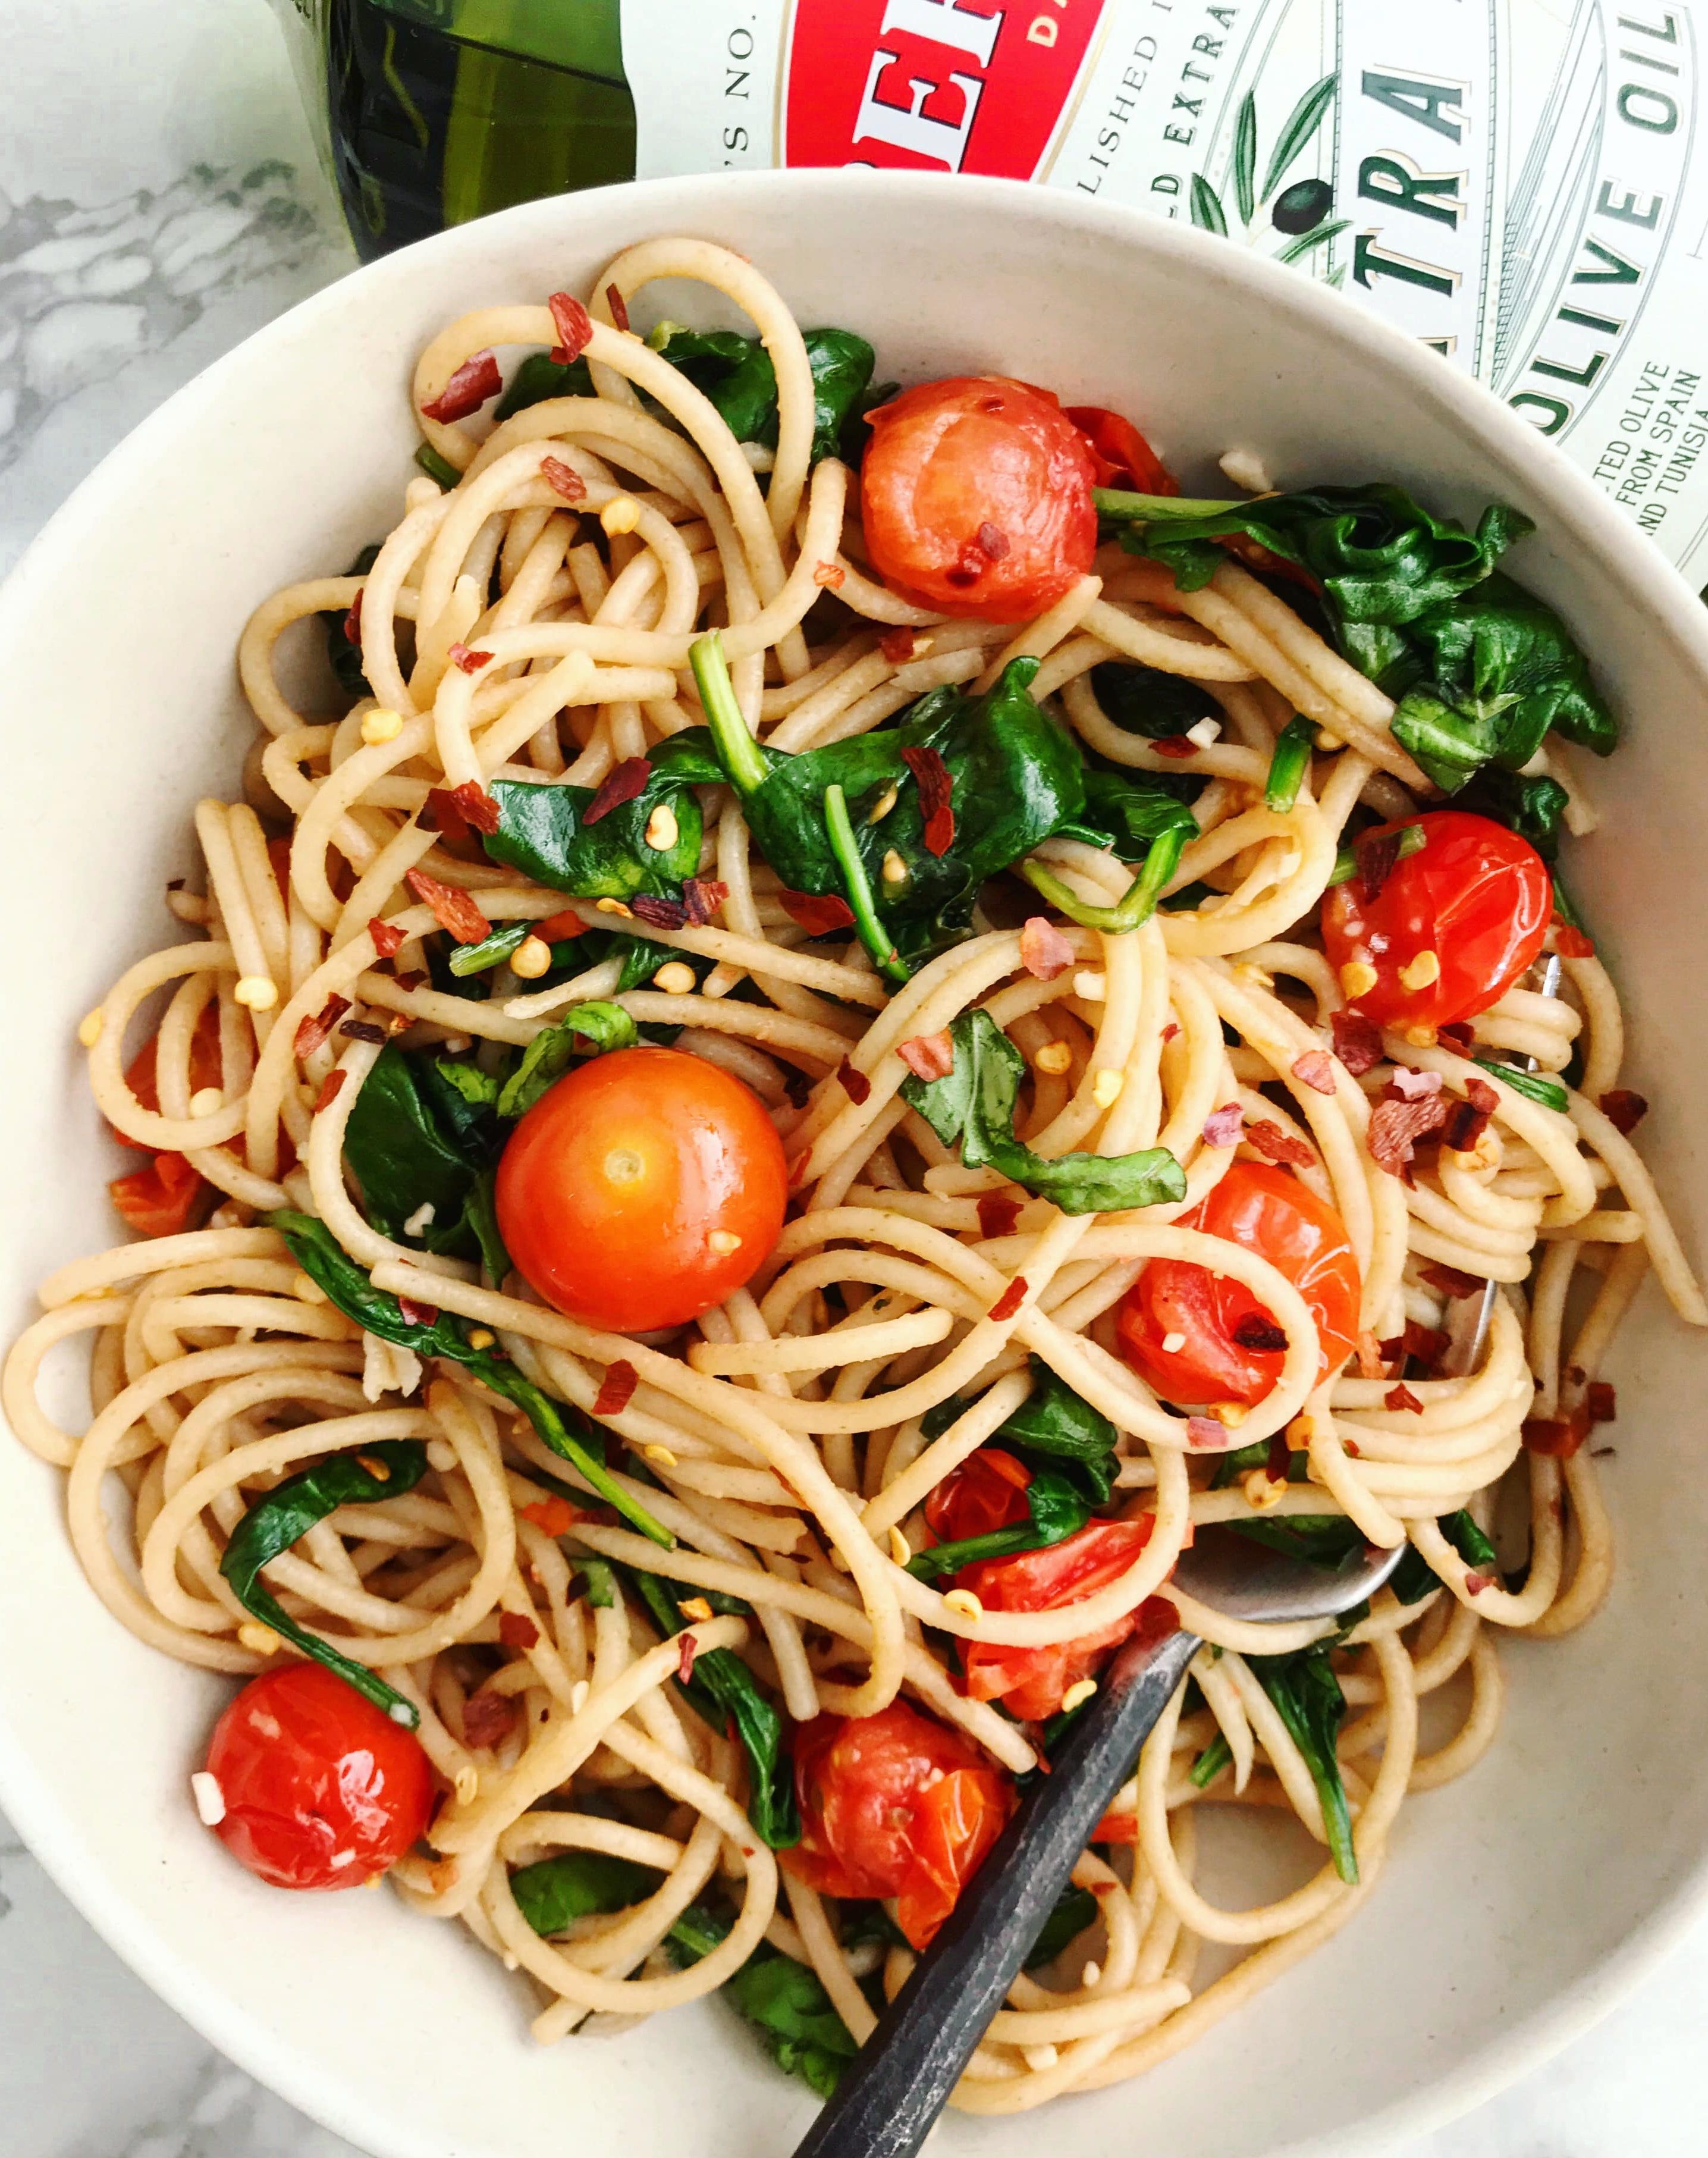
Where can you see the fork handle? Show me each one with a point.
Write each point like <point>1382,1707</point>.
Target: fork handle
<point>894,2089</point>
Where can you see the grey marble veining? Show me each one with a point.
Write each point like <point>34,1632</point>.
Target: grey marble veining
<point>158,201</point>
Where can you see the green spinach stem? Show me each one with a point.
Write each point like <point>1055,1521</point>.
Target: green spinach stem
<point>846,848</point>
<point>739,755</point>
<point>1136,906</point>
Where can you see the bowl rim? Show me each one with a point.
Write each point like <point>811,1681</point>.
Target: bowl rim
<point>1582,517</point>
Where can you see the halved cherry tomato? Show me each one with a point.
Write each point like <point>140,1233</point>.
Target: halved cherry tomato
<point>976,497</point>
<point>321,1789</point>
<point>1453,926</point>
<point>1030,1682</point>
<point>206,1069</point>
<point>986,1492</point>
<point>646,1187</point>
<point>160,1201</point>
<point>1123,458</point>
<point>1269,1211</point>
<point>894,1804</point>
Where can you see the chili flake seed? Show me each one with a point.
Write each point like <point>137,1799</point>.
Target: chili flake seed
<point>1205,732</point>
<point>205,1101</point>
<point>210,1799</point>
<point>1419,972</point>
<point>895,869</point>
<point>257,992</point>
<point>381,726</point>
<point>531,958</point>
<point>1078,1694</point>
<point>1231,1413</point>
<point>467,1785</point>
<point>88,1027</point>
<point>614,907</point>
<point>661,1455</point>
<point>1263,1495</point>
<point>886,802</point>
<point>723,1242</point>
<point>1106,1088</point>
<point>964,1604</point>
<point>1421,1037</point>
<point>661,829</point>
<point>675,979</point>
<point>1358,978</point>
<point>1053,1058</point>
<point>899,1549</point>
<point>1089,986</point>
<point>620,515</point>
<point>482,1337</point>
<point>695,1607</point>
<point>1090,1976</point>
<point>1173,1343</point>
<point>259,1640</point>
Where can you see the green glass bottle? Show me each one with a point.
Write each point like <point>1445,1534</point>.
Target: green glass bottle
<point>434,111</point>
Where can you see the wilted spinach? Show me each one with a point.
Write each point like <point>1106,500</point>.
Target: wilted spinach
<point>542,830</point>
<point>1308,1699</point>
<point>343,653</point>
<point>735,372</point>
<point>1056,1508</point>
<point>783,1999</point>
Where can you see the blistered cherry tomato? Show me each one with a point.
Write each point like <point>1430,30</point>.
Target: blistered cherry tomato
<point>646,1187</point>
<point>1122,456</point>
<point>894,1804</point>
<point>1217,1328</point>
<point>976,498</point>
<point>1030,1682</point>
<point>1452,928</point>
<point>986,1493</point>
<point>165,1198</point>
<point>321,1789</point>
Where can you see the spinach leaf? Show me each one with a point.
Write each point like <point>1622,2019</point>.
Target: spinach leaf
<point>539,376</point>
<point>723,1690</point>
<point>1414,1577</point>
<point>542,829</point>
<point>735,372</point>
<point>1143,700</point>
<point>1075,1910</point>
<point>480,1210</point>
<point>343,653</point>
<point>280,1517</point>
<point>1530,807</point>
<point>975,1104</point>
<point>348,1285</point>
<point>1056,1507</point>
<point>783,1999</point>
<point>402,1156</point>
<point>552,1052</point>
<point>1324,1539</point>
<point>1130,813</point>
<point>1534,1086</point>
<point>1062,1425</point>
<point>575,1884</point>
<point>601,1583</point>
<point>1308,1699</point>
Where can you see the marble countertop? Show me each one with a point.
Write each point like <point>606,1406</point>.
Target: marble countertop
<point>159,200</point>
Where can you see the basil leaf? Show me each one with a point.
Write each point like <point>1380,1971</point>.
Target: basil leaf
<point>1535,1085</point>
<point>1308,1699</point>
<point>382,1469</point>
<point>552,1052</point>
<point>975,1104</point>
<point>539,376</point>
<point>575,1884</point>
<point>541,831</point>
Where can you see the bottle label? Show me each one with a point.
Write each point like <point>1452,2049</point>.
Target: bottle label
<point>1509,181</point>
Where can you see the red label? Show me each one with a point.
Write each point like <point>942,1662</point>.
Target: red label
<point>933,86</point>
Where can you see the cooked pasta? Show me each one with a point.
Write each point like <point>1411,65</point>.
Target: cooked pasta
<point>777,1467</point>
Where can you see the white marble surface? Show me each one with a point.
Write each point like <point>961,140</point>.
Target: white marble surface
<point>159,200</point>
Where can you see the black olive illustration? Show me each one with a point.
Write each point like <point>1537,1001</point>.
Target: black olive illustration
<point>1303,206</point>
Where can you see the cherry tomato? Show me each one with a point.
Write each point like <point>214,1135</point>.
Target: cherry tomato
<point>160,1201</point>
<point>1269,1211</point>
<point>646,1187</point>
<point>1030,1682</point>
<point>206,1069</point>
<point>1475,900</point>
<point>322,1789</point>
<point>894,1804</point>
<point>976,497</point>
<point>986,1493</point>
<point>1122,456</point>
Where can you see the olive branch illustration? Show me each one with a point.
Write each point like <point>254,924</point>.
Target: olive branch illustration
<point>1299,212</point>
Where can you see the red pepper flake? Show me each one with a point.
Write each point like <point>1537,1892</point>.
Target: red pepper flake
<point>687,1648</point>
<point>417,1314</point>
<point>928,1057</point>
<point>330,1090</point>
<point>1256,1331</point>
<point>621,784</point>
<point>311,1034</point>
<point>1208,1435</point>
<point>469,661</point>
<point>1559,1437</point>
<point>468,388</point>
<point>1358,1042</point>
<point>1278,1466</point>
<point>560,928</point>
<point>553,1517</point>
<point>993,541</point>
<point>1394,1128</point>
<point>1175,746</point>
<point>997,1216</point>
<point>1452,1282</point>
<point>1223,1126</point>
<point>480,812</point>
<point>352,620</point>
<point>1009,1302</point>
<point>830,576</point>
<point>819,916</point>
<point>1316,1069</point>
<point>1571,942</point>
<point>658,913</point>
<point>1425,1343</point>
<point>618,307</point>
<point>855,1084</point>
<point>442,812</point>
<point>1115,1828</point>
<point>898,645</point>
<point>1475,1583</point>
<point>363,1029</point>
<point>1171,1029</point>
<point>1457,1034</point>
<point>563,479</point>
<point>1602,1402</point>
<point>1371,1363</point>
<point>389,940</point>
<point>516,1632</point>
<point>488,1718</point>
<point>616,1389</point>
<point>1623,1110</point>
<point>702,897</point>
<point>1351,1446</point>
<point>1045,951</point>
<point>935,788</point>
<point>575,328</point>
<point>1275,1144</point>
<point>1401,1397</point>
<point>1377,854</point>
<point>453,909</point>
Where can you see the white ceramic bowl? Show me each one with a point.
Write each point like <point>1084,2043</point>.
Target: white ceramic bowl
<point>1519,1901</point>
